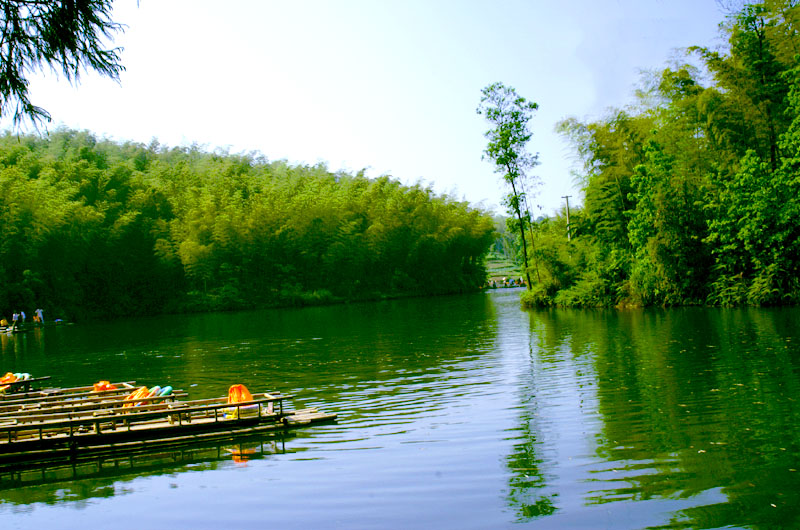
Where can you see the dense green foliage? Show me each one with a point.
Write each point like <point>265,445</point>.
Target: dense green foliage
<point>691,195</point>
<point>92,227</point>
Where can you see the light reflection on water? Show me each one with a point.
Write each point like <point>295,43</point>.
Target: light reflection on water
<point>459,412</point>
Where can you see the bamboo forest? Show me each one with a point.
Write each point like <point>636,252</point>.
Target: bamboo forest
<point>691,192</point>
<point>97,228</point>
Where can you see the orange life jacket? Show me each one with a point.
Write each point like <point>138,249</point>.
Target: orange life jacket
<point>239,393</point>
<point>104,385</point>
<point>139,393</point>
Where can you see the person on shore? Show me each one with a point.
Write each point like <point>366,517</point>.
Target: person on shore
<point>38,317</point>
<point>15,320</point>
<point>22,314</point>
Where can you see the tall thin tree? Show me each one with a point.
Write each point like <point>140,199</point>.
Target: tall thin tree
<point>509,114</point>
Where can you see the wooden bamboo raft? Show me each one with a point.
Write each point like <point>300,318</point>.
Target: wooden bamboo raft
<point>85,404</point>
<point>23,385</point>
<point>53,394</point>
<point>57,435</point>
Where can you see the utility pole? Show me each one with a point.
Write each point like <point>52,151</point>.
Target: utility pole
<point>569,236</point>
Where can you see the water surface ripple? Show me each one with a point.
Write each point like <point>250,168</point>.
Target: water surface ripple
<point>455,412</point>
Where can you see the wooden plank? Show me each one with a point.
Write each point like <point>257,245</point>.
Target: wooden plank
<point>33,436</point>
<point>146,444</point>
<point>130,415</point>
<point>38,412</point>
<point>77,440</point>
<point>23,385</point>
<point>60,391</point>
<point>118,449</point>
<point>55,394</point>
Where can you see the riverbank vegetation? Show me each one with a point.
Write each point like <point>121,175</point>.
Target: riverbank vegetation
<point>691,194</point>
<point>91,227</point>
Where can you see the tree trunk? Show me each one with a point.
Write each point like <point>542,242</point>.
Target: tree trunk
<point>533,250</point>
<point>522,235</point>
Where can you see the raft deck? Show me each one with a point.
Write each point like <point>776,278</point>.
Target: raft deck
<point>74,408</point>
<point>53,436</point>
<point>53,394</point>
<point>23,385</point>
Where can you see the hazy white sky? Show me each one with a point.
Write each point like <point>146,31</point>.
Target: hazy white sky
<point>391,86</point>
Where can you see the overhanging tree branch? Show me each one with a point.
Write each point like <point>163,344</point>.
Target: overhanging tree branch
<point>68,36</point>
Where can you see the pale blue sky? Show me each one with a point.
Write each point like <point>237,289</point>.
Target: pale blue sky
<point>389,86</point>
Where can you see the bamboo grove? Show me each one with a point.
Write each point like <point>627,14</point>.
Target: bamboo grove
<point>91,227</point>
<point>690,194</point>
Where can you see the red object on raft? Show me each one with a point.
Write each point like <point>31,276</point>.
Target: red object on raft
<point>239,393</point>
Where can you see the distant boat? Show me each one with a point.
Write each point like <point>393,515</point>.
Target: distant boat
<point>23,328</point>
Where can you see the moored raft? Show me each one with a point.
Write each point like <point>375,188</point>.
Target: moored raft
<point>78,404</point>
<point>14,383</point>
<point>95,428</point>
<point>26,394</point>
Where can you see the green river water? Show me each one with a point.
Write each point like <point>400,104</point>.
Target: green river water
<point>454,412</point>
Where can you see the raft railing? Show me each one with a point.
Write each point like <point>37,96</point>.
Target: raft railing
<point>15,387</point>
<point>54,394</point>
<point>32,428</point>
<point>87,404</point>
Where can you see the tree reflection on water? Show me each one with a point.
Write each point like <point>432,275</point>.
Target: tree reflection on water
<point>699,406</point>
<point>527,484</point>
